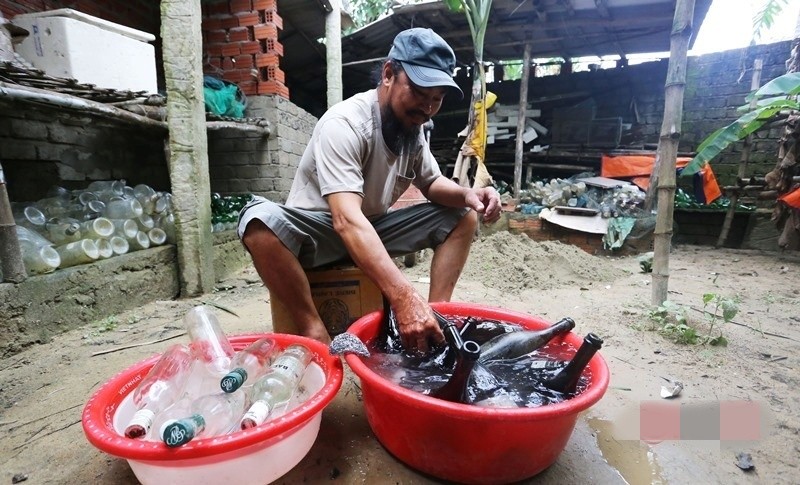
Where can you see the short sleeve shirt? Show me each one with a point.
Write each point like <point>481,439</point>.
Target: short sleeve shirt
<point>347,153</point>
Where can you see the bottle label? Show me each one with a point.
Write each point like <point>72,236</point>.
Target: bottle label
<point>256,415</point>
<point>289,367</point>
<point>140,423</point>
<point>233,380</point>
<point>182,431</point>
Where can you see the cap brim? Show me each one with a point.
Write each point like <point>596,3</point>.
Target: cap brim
<point>428,77</point>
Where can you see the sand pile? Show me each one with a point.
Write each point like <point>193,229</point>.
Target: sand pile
<point>515,262</point>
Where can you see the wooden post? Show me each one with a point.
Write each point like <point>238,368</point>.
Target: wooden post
<point>187,153</point>
<point>523,105</point>
<point>663,177</point>
<point>755,83</point>
<point>333,51</point>
<point>10,255</point>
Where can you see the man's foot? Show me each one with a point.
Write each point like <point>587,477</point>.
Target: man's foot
<point>317,332</point>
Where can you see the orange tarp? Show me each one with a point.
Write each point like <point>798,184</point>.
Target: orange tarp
<point>792,199</point>
<point>639,167</point>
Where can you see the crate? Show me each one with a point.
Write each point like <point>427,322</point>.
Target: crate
<point>341,295</point>
<point>70,44</point>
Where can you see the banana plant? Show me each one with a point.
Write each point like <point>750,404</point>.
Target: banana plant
<point>779,95</point>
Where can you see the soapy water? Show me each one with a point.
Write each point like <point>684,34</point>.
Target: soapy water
<point>499,383</point>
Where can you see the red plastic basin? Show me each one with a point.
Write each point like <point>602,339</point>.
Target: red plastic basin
<point>255,456</point>
<point>464,443</point>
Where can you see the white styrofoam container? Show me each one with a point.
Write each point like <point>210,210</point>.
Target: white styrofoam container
<point>71,44</point>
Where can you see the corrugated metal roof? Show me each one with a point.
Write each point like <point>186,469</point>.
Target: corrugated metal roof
<point>555,28</point>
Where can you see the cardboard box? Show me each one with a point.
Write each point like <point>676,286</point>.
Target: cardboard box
<point>341,296</point>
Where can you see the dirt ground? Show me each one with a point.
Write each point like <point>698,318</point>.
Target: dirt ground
<point>43,389</point>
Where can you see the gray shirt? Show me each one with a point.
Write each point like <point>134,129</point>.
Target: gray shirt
<point>347,153</point>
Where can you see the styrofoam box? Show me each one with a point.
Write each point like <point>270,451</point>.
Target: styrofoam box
<point>71,44</point>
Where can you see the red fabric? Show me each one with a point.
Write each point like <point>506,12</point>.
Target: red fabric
<point>792,199</point>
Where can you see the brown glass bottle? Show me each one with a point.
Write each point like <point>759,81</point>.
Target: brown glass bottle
<point>388,339</point>
<point>566,381</point>
<point>516,344</point>
<point>455,389</point>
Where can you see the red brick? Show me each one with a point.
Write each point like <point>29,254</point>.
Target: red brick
<point>265,31</point>
<point>247,19</point>
<point>231,50</point>
<point>229,22</point>
<point>273,87</point>
<point>240,6</point>
<point>272,45</point>
<point>249,87</point>
<point>213,50</point>
<point>216,36</point>
<point>238,34</point>
<point>227,64</point>
<point>273,73</point>
<point>264,60</point>
<point>212,23</point>
<point>244,61</point>
<point>272,17</point>
<point>218,8</point>
<point>265,5</point>
<point>251,47</point>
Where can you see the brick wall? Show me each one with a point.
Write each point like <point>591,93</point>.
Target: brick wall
<point>242,163</point>
<point>240,44</point>
<point>40,149</point>
<point>713,92</point>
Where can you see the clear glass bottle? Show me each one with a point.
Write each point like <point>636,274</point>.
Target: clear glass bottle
<point>212,415</point>
<point>249,363</point>
<point>123,209</point>
<point>208,341</point>
<point>30,217</point>
<point>119,245</point>
<point>32,237</point>
<point>276,386</point>
<point>116,187</point>
<point>104,248</point>
<point>39,260</point>
<point>160,388</point>
<point>126,228</point>
<point>63,230</point>
<point>139,241</point>
<point>145,222</point>
<point>97,228</point>
<point>157,236</point>
<point>78,252</point>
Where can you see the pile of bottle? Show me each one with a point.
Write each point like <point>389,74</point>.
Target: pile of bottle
<point>488,363</point>
<point>107,218</point>
<point>225,210</point>
<point>206,389</point>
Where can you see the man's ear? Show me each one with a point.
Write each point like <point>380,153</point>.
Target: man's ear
<point>387,75</point>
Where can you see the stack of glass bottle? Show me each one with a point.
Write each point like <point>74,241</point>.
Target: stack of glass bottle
<point>106,219</point>
<point>206,389</point>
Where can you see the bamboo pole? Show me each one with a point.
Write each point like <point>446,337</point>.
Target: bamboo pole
<point>755,83</point>
<point>663,177</point>
<point>10,254</point>
<point>523,104</point>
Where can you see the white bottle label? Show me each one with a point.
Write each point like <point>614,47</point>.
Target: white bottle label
<point>143,418</point>
<point>257,413</point>
<point>289,367</point>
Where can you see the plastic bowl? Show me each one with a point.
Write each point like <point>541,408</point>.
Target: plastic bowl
<point>463,443</point>
<point>255,456</point>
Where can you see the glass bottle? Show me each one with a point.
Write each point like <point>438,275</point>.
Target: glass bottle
<point>123,209</point>
<point>104,248</point>
<point>160,388</point>
<point>145,222</point>
<point>119,245</point>
<point>126,228</point>
<point>62,231</point>
<point>249,363</point>
<point>208,342</point>
<point>97,228</point>
<point>139,241</point>
<point>78,252</point>
<point>31,237</point>
<point>388,339</point>
<point>277,385</point>
<point>516,344</point>
<point>212,415</point>
<point>39,260</point>
<point>30,217</point>
<point>157,236</point>
<point>115,186</point>
<point>455,389</point>
<point>566,381</point>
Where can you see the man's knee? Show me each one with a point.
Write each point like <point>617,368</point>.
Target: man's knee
<point>469,222</point>
<point>257,235</point>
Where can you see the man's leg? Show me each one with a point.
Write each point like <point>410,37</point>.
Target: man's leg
<point>284,276</point>
<point>450,257</point>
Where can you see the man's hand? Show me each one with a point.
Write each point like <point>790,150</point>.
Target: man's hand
<point>484,201</point>
<point>418,327</point>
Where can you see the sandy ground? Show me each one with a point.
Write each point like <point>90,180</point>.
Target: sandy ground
<point>43,389</point>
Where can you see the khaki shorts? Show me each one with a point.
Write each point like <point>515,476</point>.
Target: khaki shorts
<point>312,239</point>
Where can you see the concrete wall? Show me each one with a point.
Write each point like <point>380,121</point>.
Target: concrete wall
<point>243,163</point>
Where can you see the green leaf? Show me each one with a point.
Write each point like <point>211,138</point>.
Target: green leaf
<point>786,85</point>
<point>455,5</point>
<point>776,101</point>
<point>729,310</point>
<point>719,341</point>
<point>707,297</point>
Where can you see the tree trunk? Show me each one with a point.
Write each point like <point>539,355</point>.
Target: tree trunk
<point>666,155</point>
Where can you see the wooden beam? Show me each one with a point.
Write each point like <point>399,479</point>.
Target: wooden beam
<point>523,105</point>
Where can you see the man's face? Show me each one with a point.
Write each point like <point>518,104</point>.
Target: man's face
<point>413,105</point>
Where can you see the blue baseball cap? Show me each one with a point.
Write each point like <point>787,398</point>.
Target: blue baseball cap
<point>426,58</point>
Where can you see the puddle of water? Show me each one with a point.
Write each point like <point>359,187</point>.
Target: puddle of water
<point>633,459</point>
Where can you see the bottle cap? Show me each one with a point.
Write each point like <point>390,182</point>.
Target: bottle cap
<point>233,380</point>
